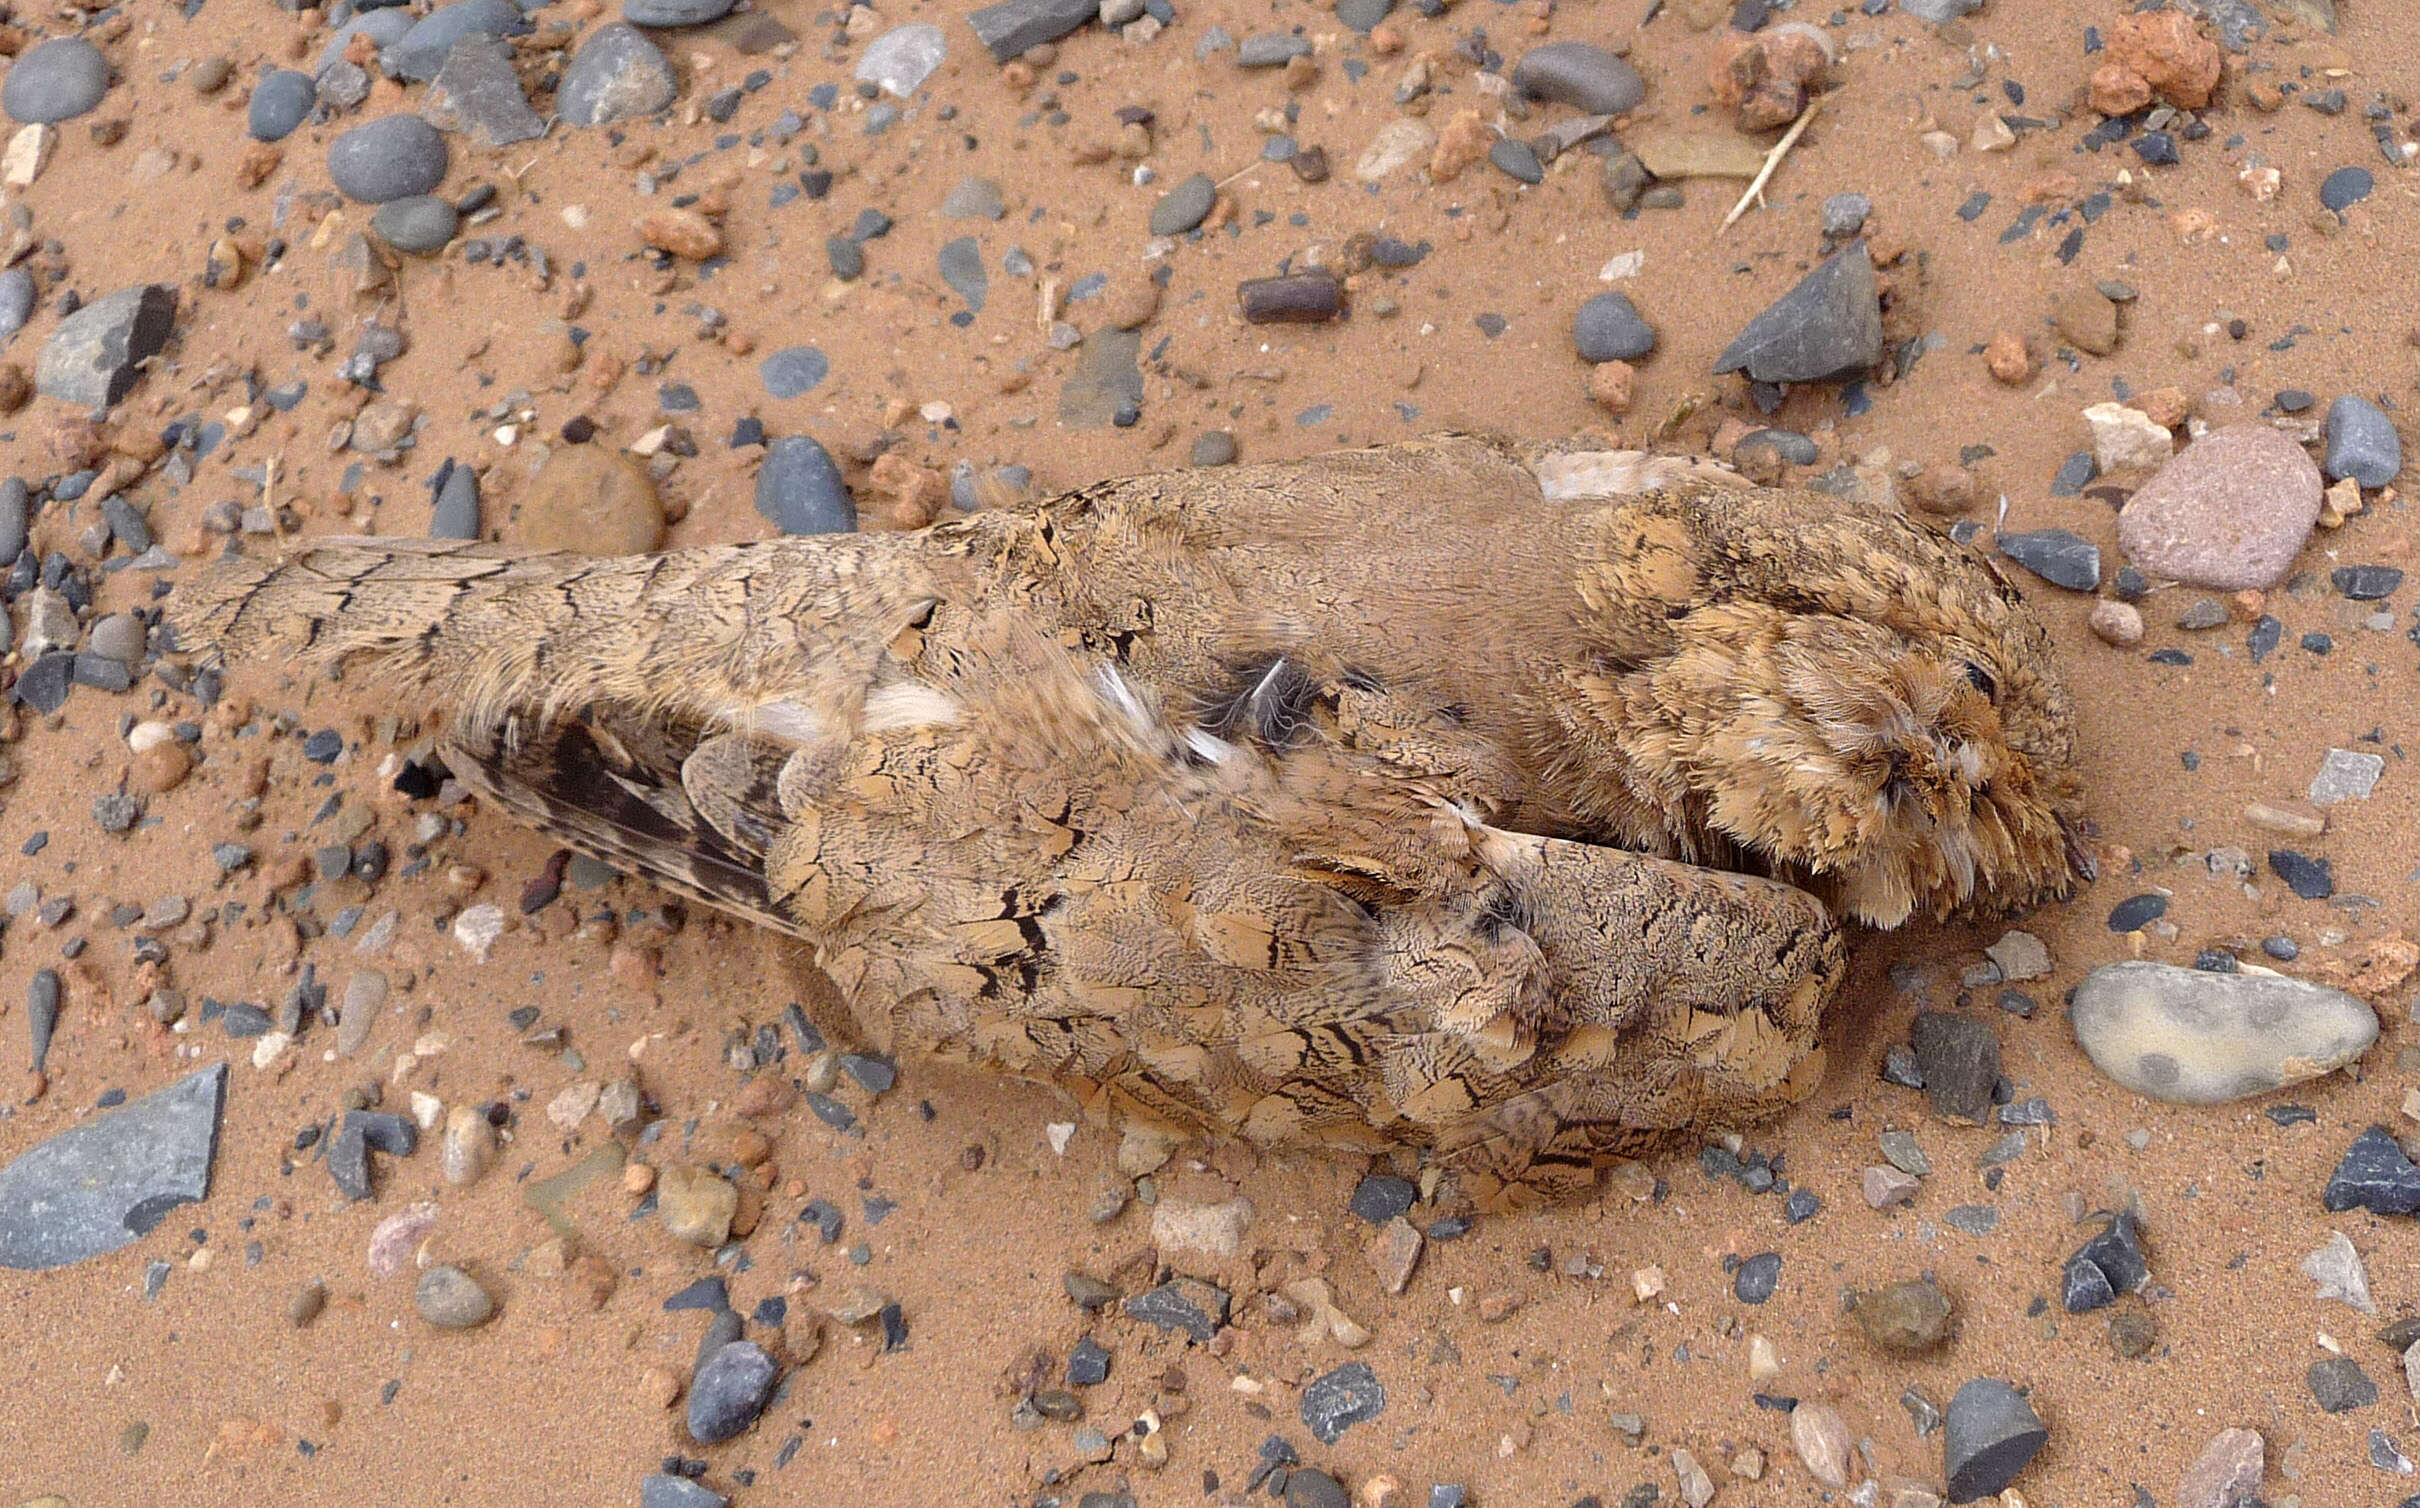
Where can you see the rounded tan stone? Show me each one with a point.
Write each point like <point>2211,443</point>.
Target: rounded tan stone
<point>2231,512</point>
<point>590,500</point>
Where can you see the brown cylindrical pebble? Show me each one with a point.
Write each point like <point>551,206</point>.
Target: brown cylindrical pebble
<point>1298,298</point>
<point>308,1300</point>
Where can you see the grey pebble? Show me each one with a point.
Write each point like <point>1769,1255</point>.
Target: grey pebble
<point>478,94</point>
<point>422,223</point>
<point>1608,328</point>
<point>1309,1488</point>
<point>2362,442</point>
<point>1989,1433</point>
<point>1581,75</point>
<point>1362,15</point>
<point>1516,159</point>
<point>901,59</point>
<point>1189,1305</point>
<point>846,255</point>
<point>1106,381</point>
<point>54,81</point>
<point>18,296</point>
<point>1940,11</point>
<point>973,199</point>
<point>794,371</point>
<point>16,505</point>
<point>2345,188</point>
<point>1341,1399</point>
<point>730,1389</point>
<point>800,490</point>
<point>2339,1385</point>
<point>343,85</point>
<point>1271,49</point>
<point>2110,1264</point>
<point>42,1014</point>
<point>1844,215</point>
<point>1829,325</point>
<point>1757,1278</point>
<point>674,12</point>
<point>664,1490</point>
<point>384,27</point>
<point>119,637</point>
<point>280,103</point>
<point>1214,447</point>
<point>1959,1059</point>
<point>2058,556</point>
<point>93,358</point>
<point>93,1188</point>
<point>1789,444</point>
<point>618,74</point>
<point>1009,27</point>
<point>454,513</point>
<point>358,1134</point>
<point>961,266</point>
<point>452,1299</point>
<point>393,157</point>
<point>1184,206</point>
<point>420,52</point>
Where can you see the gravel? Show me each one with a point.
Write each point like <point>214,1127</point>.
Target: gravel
<point>1581,75</point>
<point>730,1390</point>
<point>2362,442</point>
<point>54,81</point>
<point>394,157</point>
<point>280,103</point>
<point>800,490</point>
<point>1989,1433</point>
<point>618,74</point>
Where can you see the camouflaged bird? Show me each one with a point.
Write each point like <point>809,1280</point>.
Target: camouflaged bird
<point>1296,799</point>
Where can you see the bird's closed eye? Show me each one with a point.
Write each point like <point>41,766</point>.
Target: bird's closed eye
<point>1981,680</point>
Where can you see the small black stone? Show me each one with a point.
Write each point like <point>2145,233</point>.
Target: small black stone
<point>2058,556</point>
<point>1380,1197</point>
<point>2375,1176</point>
<point>1989,1433</point>
<point>730,1389</point>
<point>2112,1261</point>
<point>1087,1364</point>
<point>2340,1386</point>
<point>1802,1205</point>
<point>705,1293</point>
<point>2136,912</point>
<point>1195,1308</point>
<point>2366,583</point>
<point>2346,187</point>
<point>1757,1278</point>
<point>1959,1060</point>
<point>1343,1398</point>
<point>2312,879</point>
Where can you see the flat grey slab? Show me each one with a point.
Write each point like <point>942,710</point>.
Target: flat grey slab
<point>93,1188</point>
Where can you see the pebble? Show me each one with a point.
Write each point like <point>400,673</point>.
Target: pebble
<point>1363,15</point>
<point>2226,1474</point>
<point>674,12</point>
<point>1884,1187</point>
<point>2337,1271</point>
<point>1184,206</point>
<point>1907,1318</point>
<point>452,1299</point>
<point>2126,439</point>
<point>1581,75</point>
<point>1271,49</point>
<point>2059,556</point>
<point>1212,447</point>
<point>468,1148</point>
<point>477,93</point>
<point>1989,1433</point>
<point>901,59</point>
<point>2340,1386</point>
<point>1829,325</point>
<point>1008,28</point>
<point>94,356</point>
<point>17,299</point>
<point>1844,215</point>
<point>2362,442</point>
<point>1757,1278</point>
<point>697,1206</point>
<point>365,996</point>
<point>420,224</point>
<point>1516,159</point>
<point>730,1390</point>
<point>590,500</point>
<point>618,74</point>
<point>2191,1037</point>
<point>1608,328</point>
<point>54,81</point>
<point>454,511</point>
<point>280,103</point>
<point>2374,1175</point>
<point>800,490</point>
<point>307,1303</point>
<point>1821,1438</point>
<point>1292,298</point>
<point>2311,879</point>
<point>1959,1059</point>
<point>973,199</point>
<point>1940,12</point>
<point>1397,145</point>
<point>1216,1231</point>
<point>1187,1305</point>
<point>1341,1399</point>
<point>793,372</point>
<point>394,157</point>
<point>2230,512</point>
<point>2346,187</point>
<point>663,1490</point>
<point>120,637</point>
<point>418,54</point>
<point>960,263</point>
<point>2110,1264</point>
<point>1308,1488</point>
<point>1381,1197</point>
<point>2346,776</point>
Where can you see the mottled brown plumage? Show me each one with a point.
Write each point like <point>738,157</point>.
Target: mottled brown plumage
<point>1211,794</point>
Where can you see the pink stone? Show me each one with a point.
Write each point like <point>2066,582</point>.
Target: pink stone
<point>2230,513</point>
<point>2226,1474</point>
<point>392,1243</point>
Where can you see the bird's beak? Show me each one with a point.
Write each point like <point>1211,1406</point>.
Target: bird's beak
<point>2079,856</point>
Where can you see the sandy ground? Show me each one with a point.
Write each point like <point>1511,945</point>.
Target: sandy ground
<point>208,1393</point>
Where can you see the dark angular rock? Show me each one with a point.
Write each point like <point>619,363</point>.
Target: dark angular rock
<point>93,358</point>
<point>1987,1436</point>
<point>1829,326</point>
<point>664,1490</point>
<point>800,490</point>
<point>357,1135</point>
<point>2058,556</point>
<point>1186,1305</point>
<point>2375,1176</point>
<point>478,94</point>
<point>419,53</point>
<point>729,1391</point>
<point>1380,1197</point>
<point>1960,1061</point>
<point>1341,1399</point>
<point>2110,1263</point>
<point>1608,328</point>
<point>2362,442</point>
<point>616,75</point>
<point>95,1187</point>
<point>2366,583</point>
<point>2340,1386</point>
<point>1010,27</point>
<point>1087,1364</point>
<point>2312,879</point>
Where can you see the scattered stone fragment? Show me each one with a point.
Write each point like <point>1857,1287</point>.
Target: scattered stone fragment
<point>618,74</point>
<point>1187,1305</point>
<point>2110,1264</point>
<point>1343,1398</point>
<point>697,1206</point>
<point>2167,51</point>
<point>1213,447</point>
<point>454,512</point>
<point>729,1391</point>
<point>1293,298</point>
<point>2376,1176</point>
<point>1181,1227</point>
<point>1106,385</point>
<point>1398,144</point>
<point>280,103</point>
<point>1184,206</point>
<point>393,157</point>
<point>2309,878</point>
<point>2230,512</point>
<point>901,59</point>
<point>1821,1438</point>
<point>1608,328</point>
<point>961,266</point>
<point>1581,75</point>
<point>2346,775</point>
<point>468,1148</point>
<point>2340,1386</point>
<point>2346,187</point>
<point>974,198</point>
<point>1381,1197</point>
<point>1310,1488</point>
<point>2020,956</point>
<point>664,1490</point>
<point>420,53</point>
<point>358,1134</point>
<point>1907,1318</point>
<point>681,232</point>
<point>2191,1037</point>
<point>1989,1433</point>
<point>54,81</point>
<point>1960,1061</point>
<point>793,372</point>
<point>2362,442</point>
<point>477,93</point>
<point>2337,1270</point>
<point>451,1299</point>
<point>2226,1474</point>
<point>592,500</point>
<point>421,224</point>
<point>1757,1278</point>
<point>1010,27</point>
<point>1884,1186</point>
<point>1829,325</point>
<point>1940,12</point>
<point>97,1186</point>
<point>800,490</point>
<point>661,13</point>
<point>95,355</point>
<point>2126,439</point>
